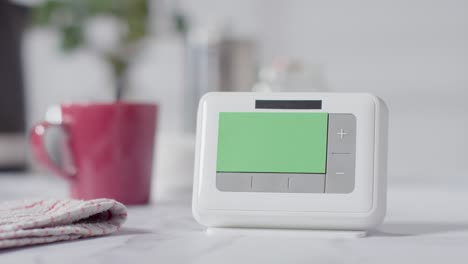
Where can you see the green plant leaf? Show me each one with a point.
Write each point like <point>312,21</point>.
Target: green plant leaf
<point>72,37</point>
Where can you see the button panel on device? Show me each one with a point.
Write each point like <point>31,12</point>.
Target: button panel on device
<point>234,182</point>
<point>270,182</point>
<point>307,183</point>
<point>341,153</point>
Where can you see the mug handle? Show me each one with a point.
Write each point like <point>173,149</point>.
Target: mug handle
<point>40,153</point>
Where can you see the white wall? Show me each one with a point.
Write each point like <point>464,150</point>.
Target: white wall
<point>414,54</point>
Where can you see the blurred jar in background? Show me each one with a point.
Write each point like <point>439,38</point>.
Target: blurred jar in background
<point>291,75</point>
<point>175,69</point>
<point>157,75</point>
<point>217,60</point>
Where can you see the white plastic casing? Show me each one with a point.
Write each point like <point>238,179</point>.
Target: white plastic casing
<point>362,209</point>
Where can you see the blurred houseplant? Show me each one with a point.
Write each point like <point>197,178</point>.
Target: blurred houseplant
<point>111,28</point>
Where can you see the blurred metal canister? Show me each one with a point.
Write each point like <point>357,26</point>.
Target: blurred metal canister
<point>217,62</point>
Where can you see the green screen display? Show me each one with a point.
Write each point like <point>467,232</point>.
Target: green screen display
<point>272,142</point>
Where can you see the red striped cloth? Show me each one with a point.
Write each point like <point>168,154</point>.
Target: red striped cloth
<point>30,222</point>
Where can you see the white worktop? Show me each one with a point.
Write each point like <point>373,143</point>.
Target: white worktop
<point>424,224</point>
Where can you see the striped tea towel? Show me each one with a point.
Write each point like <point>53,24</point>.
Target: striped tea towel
<point>30,222</point>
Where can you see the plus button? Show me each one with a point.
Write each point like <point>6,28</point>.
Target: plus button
<point>342,133</point>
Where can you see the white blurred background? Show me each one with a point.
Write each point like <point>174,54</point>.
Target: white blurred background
<point>413,54</point>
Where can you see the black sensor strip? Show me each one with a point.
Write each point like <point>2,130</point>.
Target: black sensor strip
<point>288,104</point>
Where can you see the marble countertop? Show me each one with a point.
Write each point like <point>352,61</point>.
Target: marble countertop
<point>424,224</point>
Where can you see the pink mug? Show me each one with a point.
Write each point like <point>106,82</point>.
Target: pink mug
<point>111,148</point>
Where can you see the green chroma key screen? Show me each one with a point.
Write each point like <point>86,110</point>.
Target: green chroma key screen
<point>272,142</point>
